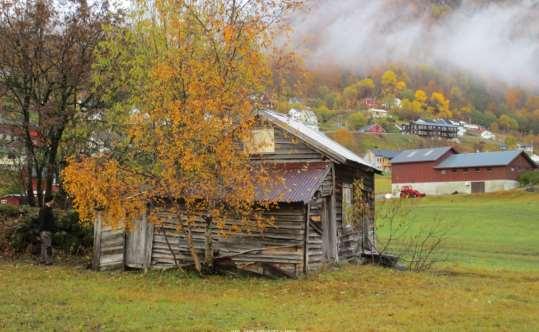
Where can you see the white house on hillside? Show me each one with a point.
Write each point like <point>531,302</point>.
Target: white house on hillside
<point>377,113</point>
<point>486,134</point>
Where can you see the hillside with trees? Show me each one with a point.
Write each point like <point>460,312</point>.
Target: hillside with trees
<point>409,88</point>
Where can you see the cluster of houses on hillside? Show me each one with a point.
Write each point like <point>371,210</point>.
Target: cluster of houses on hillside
<point>436,128</point>
<point>449,129</point>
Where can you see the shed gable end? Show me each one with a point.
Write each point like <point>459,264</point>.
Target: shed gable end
<point>287,147</point>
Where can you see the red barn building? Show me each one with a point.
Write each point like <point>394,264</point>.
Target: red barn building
<point>442,171</point>
<point>13,199</point>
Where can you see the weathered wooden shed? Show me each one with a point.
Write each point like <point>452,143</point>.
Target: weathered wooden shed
<point>309,226</point>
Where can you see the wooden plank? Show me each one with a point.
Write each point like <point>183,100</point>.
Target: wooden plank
<point>306,240</point>
<point>135,244</point>
<point>149,244</point>
<point>112,259</point>
<point>97,241</point>
<point>112,248</point>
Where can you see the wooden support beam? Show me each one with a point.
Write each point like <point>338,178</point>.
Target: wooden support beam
<point>332,229</point>
<point>97,241</point>
<point>149,241</point>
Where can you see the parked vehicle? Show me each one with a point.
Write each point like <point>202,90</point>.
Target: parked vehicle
<point>409,192</point>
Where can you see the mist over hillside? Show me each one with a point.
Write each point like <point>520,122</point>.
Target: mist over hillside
<point>493,40</point>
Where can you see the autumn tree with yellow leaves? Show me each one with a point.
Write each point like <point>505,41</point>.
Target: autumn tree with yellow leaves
<point>184,81</point>
<point>439,106</point>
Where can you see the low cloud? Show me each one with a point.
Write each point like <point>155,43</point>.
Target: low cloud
<point>496,41</point>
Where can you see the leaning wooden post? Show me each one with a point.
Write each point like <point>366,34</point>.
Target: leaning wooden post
<point>97,241</point>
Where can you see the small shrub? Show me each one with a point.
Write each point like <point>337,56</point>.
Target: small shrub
<point>529,178</point>
<point>69,236</point>
<point>8,212</point>
<point>11,218</point>
<point>24,236</point>
<point>418,246</point>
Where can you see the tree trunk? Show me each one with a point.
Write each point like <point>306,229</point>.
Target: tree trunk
<point>208,257</point>
<point>29,145</point>
<point>39,185</point>
<point>27,179</point>
<point>191,247</point>
<point>51,169</point>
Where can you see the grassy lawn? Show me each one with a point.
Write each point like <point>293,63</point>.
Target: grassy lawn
<point>390,141</point>
<point>490,283</point>
<point>350,299</point>
<point>490,231</point>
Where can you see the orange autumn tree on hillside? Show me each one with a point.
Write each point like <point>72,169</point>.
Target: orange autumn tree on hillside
<point>184,82</point>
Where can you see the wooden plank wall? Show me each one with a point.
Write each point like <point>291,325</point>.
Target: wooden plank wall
<point>280,244</point>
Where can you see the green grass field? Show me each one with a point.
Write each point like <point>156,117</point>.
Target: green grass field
<point>490,283</point>
<point>490,231</point>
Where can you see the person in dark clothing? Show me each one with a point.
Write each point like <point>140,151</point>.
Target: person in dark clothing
<point>46,227</point>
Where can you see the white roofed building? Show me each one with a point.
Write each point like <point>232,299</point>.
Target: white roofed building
<point>307,117</point>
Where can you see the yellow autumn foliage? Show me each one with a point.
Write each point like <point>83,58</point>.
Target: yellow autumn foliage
<point>193,73</point>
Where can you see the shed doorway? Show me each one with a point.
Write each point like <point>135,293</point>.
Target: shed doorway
<point>478,187</point>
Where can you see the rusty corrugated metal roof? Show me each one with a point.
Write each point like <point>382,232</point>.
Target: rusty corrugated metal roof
<point>292,182</point>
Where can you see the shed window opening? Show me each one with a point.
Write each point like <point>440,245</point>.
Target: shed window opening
<point>262,141</point>
<point>347,203</point>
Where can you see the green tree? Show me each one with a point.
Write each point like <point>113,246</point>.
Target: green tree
<point>350,96</point>
<point>511,141</point>
<point>323,112</point>
<point>507,123</point>
<point>356,120</point>
<point>46,58</point>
